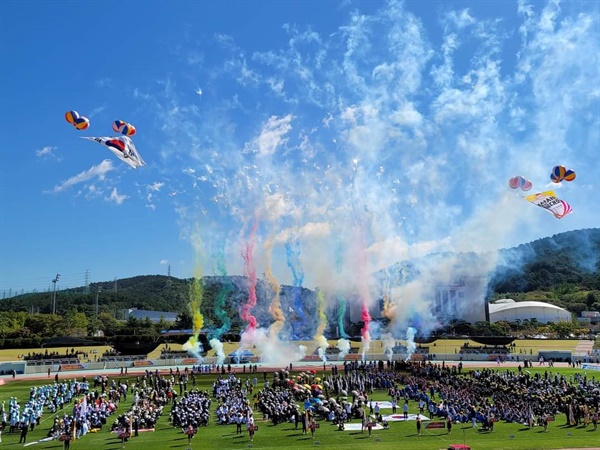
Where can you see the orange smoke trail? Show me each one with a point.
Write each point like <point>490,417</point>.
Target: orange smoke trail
<point>388,311</point>
<point>275,306</point>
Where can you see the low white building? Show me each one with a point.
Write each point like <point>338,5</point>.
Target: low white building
<point>511,311</point>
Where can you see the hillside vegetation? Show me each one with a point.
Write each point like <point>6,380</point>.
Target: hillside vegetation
<point>563,270</point>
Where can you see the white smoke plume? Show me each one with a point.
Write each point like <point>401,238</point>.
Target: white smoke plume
<point>194,347</point>
<point>344,346</point>
<point>388,344</point>
<point>410,342</point>
<point>218,348</point>
<point>271,349</point>
<point>323,345</point>
<point>366,344</point>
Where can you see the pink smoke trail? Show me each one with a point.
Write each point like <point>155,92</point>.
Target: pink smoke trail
<point>366,318</point>
<point>364,291</point>
<point>250,273</point>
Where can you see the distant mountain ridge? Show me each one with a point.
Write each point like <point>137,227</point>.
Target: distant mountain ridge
<point>566,265</point>
<point>570,257</point>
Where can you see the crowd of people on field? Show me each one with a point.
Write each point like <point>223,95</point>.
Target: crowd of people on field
<point>482,395</point>
<point>479,397</point>
<point>193,409</point>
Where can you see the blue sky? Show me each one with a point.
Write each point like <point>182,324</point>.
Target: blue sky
<point>384,129</point>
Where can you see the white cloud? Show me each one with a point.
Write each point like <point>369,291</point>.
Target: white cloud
<point>47,151</point>
<point>104,82</point>
<point>99,171</point>
<point>116,197</point>
<point>155,187</point>
<point>164,262</point>
<point>461,19</point>
<point>95,111</point>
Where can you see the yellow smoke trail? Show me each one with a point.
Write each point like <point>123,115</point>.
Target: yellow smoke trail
<point>319,338</point>
<point>322,315</point>
<point>275,306</point>
<point>196,291</point>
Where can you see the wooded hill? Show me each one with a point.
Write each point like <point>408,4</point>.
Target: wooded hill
<point>563,269</point>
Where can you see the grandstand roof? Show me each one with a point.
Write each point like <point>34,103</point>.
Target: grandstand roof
<point>504,305</point>
<point>542,312</point>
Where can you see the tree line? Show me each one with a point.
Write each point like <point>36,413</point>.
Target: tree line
<point>563,270</point>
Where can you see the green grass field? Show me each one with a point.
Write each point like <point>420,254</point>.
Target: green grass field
<point>400,434</point>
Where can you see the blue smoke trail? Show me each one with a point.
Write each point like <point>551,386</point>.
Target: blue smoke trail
<point>292,247</point>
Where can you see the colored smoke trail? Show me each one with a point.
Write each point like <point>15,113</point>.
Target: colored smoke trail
<point>321,311</point>
<point>363,288</point>
<point>319,337</point>
<point>364,332</point>
<point>226,289</point>
<point>250,273</point>
<point>342,305</point>
<point>193,345</point>
<point>341,314</point>
<point>292,247</point>
<point>386,288</point>
<point>410,342</point>
<point>275,306</point>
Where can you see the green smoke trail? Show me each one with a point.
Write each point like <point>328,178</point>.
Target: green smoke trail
<point>218,255</point>
<point>342,304</point>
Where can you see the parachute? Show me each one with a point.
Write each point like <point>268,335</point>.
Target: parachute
<point>122,147</point>
<point>551,203</point>
<point>79,122</point>
<point>520,182</point>
<point>561,173</point>
<point>120,126</point>
<point>82,123</point>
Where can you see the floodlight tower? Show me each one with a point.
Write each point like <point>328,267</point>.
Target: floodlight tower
<point>54,281</point>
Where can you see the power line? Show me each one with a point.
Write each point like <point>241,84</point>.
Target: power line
<point>38,284</point>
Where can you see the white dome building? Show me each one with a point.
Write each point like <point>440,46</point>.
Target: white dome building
<point>511,311</point>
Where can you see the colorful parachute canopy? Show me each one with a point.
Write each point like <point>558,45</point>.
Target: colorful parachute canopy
<point>569,175</point>
<point>520,182</point>
<point>560,173</point>
<point>72,116</point>
<point>82,123</point>
<point>120,126</point>
<point>551,203</point>
<point>79,122</point>
<point>122,147</point>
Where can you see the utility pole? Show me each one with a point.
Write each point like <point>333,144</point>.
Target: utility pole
<point>54,281</point>
<point>97,294</point>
